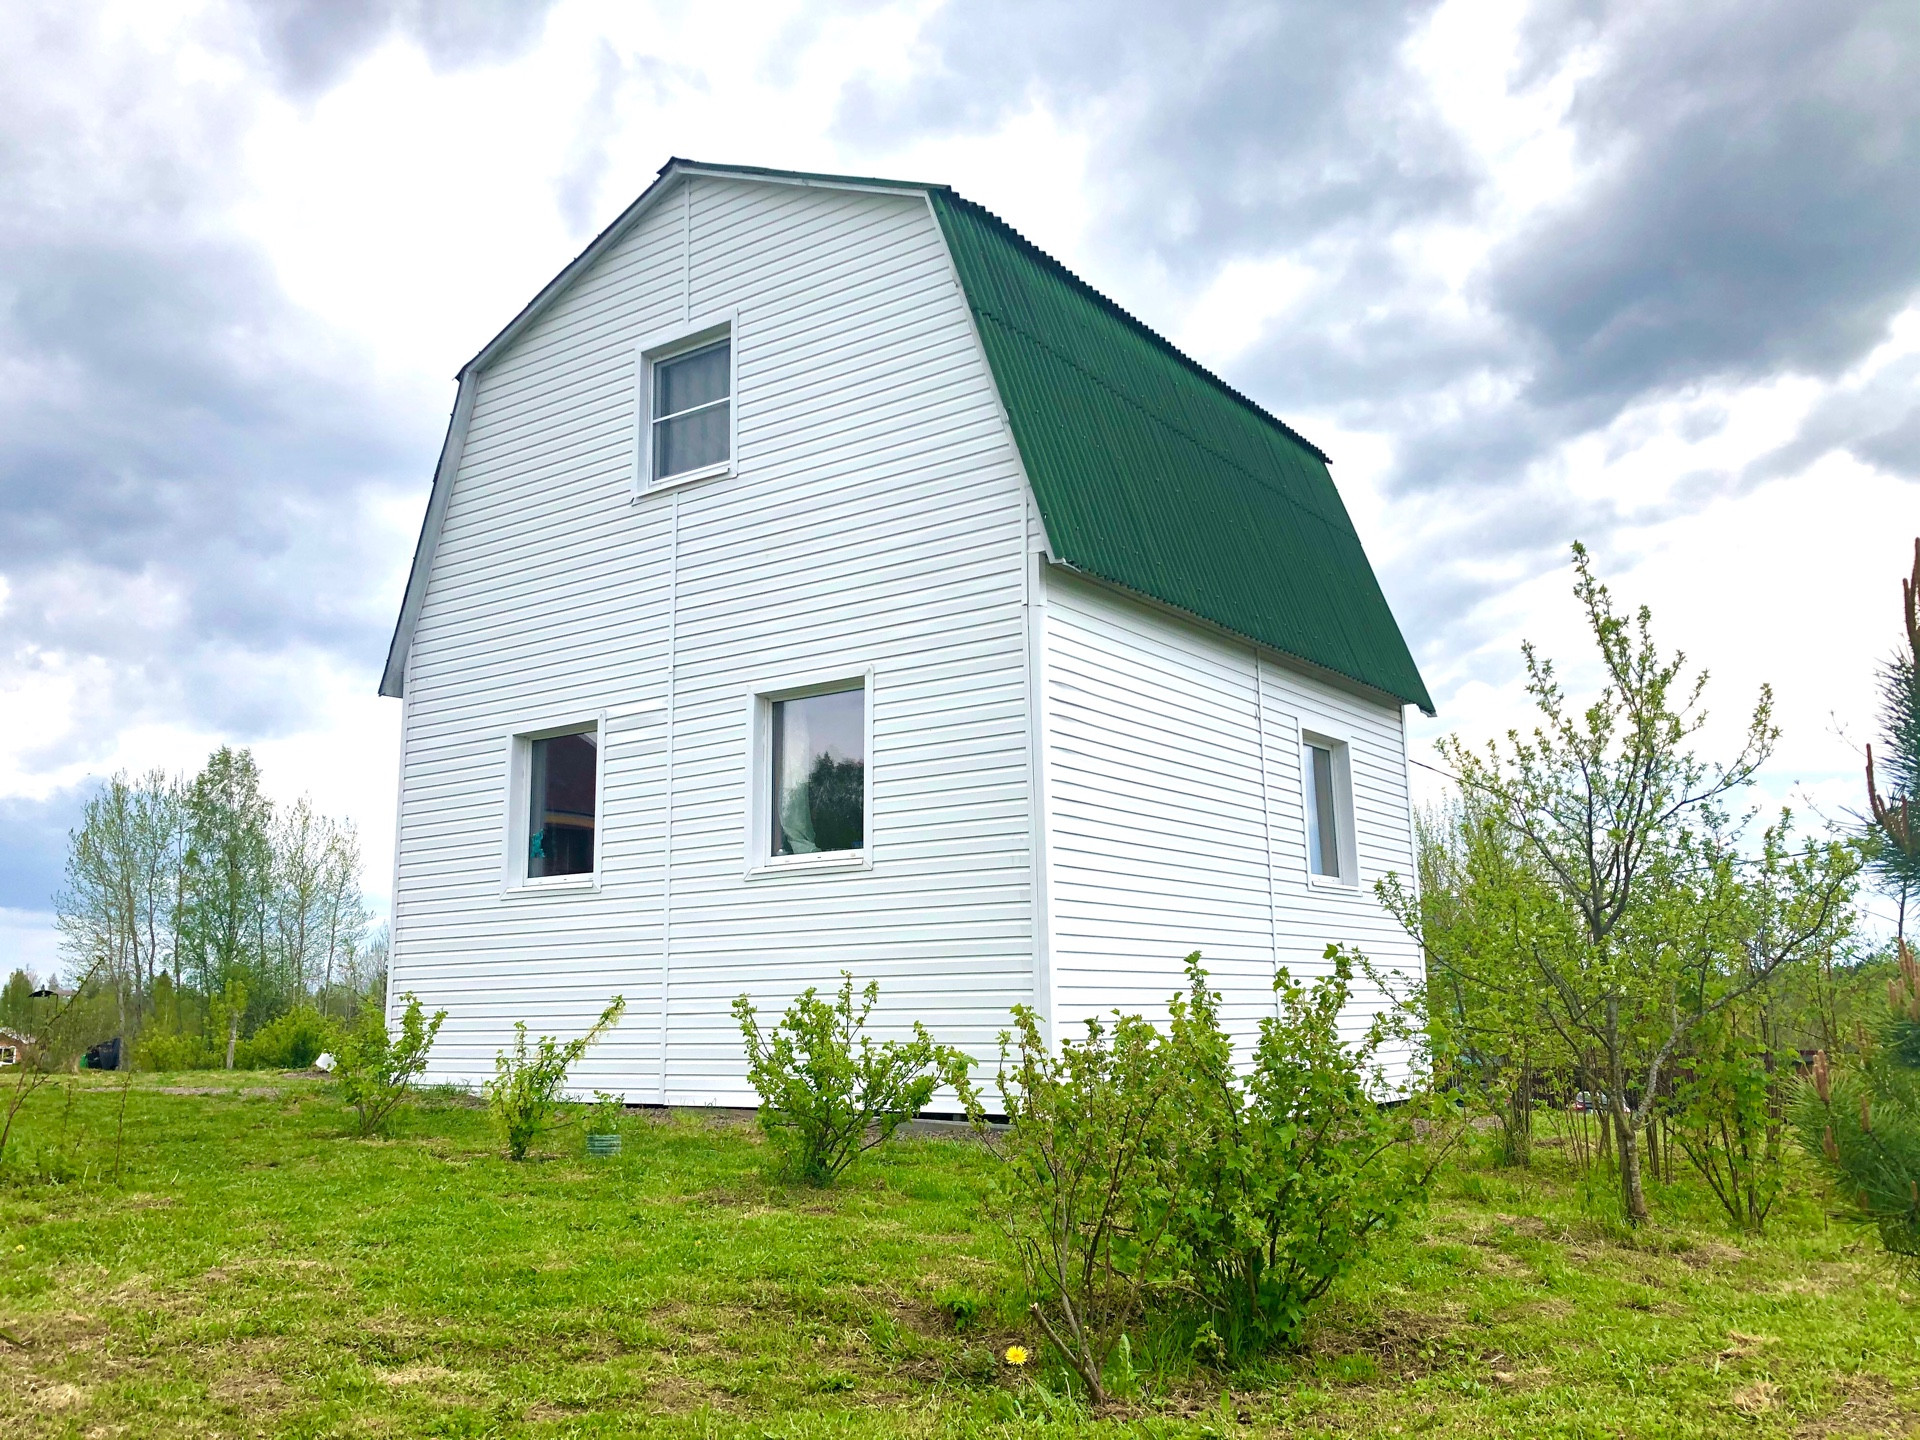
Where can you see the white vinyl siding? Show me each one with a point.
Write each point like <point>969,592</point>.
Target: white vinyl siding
<point>1174,791</point>
<point>872,524</point>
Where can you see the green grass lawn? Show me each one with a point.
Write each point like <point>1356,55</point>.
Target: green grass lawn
<point>253,1272</point>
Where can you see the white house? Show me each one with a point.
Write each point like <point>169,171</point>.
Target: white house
<point>817,576</point>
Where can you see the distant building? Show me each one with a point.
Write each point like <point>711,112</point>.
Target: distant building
<point>818,576</point>
<point>14,1046</point>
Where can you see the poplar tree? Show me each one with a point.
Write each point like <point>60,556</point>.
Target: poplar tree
<point>227,876</point>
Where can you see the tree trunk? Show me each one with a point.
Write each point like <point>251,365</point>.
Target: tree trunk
<point>233,1034</point>
<point>1632,1194</point>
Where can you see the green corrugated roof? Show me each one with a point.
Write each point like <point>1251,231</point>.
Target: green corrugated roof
<point>1156,476</point>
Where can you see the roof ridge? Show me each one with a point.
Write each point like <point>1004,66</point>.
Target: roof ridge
<point>1134,321</point>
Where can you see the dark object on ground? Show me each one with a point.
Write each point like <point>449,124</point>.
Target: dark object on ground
<point>105,1055</point>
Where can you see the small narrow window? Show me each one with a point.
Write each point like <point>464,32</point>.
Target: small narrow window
<point>692,398</point>
<point>819,780</point>
<point>562,781</point>
<point>7,1055</point>
<point>1323,811</point>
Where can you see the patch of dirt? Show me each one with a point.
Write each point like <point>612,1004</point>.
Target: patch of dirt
<point>1871,1407</point>
<point>1709,1255</point>
<point>415,1375</point>
<point>1404,1342</point>
<point>252,1392</point>
<point>1754,1399</point>
<point>54,1396</point>
<point>1741,1346</point>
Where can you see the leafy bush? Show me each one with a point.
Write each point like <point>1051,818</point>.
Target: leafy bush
<point>1862,1125</point>
<point>1084,1188</point>
<point>827,1093</point>
<point>375,1070</point>
<point>160,1049</point>
<point>606,1114</point>
<point>1729,1121</point>
<point>526,1085</point>
<point>291,1042</point>
<point>1286,1174</point>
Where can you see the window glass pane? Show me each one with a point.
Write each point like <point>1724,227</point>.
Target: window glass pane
<point>1323,836</point>
<point>694,379</point>
<point>689,442</point>
<point>820,773</point>
<point>560,786</point>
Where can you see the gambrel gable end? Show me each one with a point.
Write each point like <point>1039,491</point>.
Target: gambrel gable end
<point>1149,472</point>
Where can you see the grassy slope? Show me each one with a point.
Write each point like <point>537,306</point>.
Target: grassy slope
<point>254,1273</point>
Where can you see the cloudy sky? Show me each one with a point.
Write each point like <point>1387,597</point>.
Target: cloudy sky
<point>1643,275</point>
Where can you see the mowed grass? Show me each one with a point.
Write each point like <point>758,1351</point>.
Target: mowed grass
<point>254,1272</point>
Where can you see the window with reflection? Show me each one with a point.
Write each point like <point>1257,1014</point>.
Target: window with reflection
<point>691,410</point>
<point>562,779</point>
<point>819,779</point>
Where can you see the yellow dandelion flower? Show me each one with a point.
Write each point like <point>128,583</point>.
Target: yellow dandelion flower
<point>1016,1354</point>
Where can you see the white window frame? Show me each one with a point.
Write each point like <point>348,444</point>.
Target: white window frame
<point>668,345</point>
<point>9,1055</point>
<point>1348,848</point>
<point>514,880</point>
<point>761,862</point>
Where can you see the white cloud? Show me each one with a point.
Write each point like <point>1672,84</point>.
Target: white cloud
<point>410,209</point>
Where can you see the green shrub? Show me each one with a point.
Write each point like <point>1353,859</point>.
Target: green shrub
<point>293,1041</point>
<point>526,1085</point>
<point>1284,1174</point>
<point>165,1050</point>
<point>606,1114</point>
<point>1862,1125</point>
<point>1727,1119</point>
<point>827,1093</point>
<point>1084,1188</point>
<point>375,1070</point>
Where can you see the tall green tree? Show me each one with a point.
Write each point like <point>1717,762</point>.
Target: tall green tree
<point>116,911</point>
<point>16,1001</point>
<point>1657,920</point>
<point>227,876</point>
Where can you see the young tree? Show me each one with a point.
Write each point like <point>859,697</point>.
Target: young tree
<point>1658,926</point>
<point>377,1069</point>
<point>1861,1124</point>
<point>59,1036</point>
<point>1896,849</point>
<point>1481,907</point>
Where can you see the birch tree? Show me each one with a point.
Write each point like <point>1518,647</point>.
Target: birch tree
<point>117,910</point>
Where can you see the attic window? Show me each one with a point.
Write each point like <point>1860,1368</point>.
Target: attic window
<point>689,408</point>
